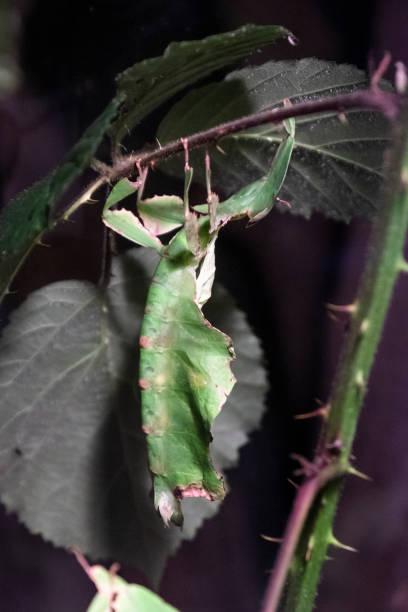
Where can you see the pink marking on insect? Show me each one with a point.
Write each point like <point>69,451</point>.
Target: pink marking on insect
<point>145,342</point>
<point>192,490</point>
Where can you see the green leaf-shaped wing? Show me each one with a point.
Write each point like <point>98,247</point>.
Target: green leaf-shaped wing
<point>337,161</point>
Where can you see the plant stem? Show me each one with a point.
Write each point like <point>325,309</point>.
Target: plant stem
<point>384,262</point>
<point>83,198</point>
<point>305,497</point>
<point>370,99</point>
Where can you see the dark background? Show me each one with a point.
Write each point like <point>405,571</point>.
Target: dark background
<point>282,272</point>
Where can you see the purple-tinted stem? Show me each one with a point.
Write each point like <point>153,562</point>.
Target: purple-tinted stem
<point>304,499</point>
<point>370,99</point>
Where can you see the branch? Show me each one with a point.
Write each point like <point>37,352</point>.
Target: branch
<point>371,99</point>
<point>384,263</point>
<point>305,496</point>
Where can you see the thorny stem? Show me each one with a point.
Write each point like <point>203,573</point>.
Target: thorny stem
<point>312,514</point>
<point>305,497</point>
<point>372,99</point>
<point>84,197</point>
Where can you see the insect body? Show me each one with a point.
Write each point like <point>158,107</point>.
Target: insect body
<point>185,374</point>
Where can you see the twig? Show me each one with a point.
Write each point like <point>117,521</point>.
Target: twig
<point>387,103</point>
<point>371,99</point>
<point>305,497</point>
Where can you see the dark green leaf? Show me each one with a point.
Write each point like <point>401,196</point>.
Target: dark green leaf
<point>73,461</point>
<point>148,84</point>
<point>336,165</point>
<point>24,219</point>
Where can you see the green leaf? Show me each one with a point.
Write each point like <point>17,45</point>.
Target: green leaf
<point>115,594</point>
<point>151,82</point>
<point>24,220</point>
<point>73,461</point>
<point>336,166</point>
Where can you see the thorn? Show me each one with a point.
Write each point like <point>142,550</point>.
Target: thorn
<point>335,542</point>
<point>359,380</point>
<point>401,77</point>
<point>307,468</point>
<point>403,266</point>
<point>342,118</point>
<point>40,243</point>
<point>293,483</point>
<point>270,539</point>
<point>310,546</point>
<point>333,317</point>
<point>292,40</point>
<point>335,446</point>
<point>378,74</point>
<point>352,470</point>
<point>323,411</point>
<point>9,291</point>
<point>348,308</point>
<point>365,324</point>
<point>158,142</point>
<point>284,202</point>
<point>220,149</point>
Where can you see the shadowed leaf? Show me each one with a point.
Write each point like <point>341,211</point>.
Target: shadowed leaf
<point>148,84</point>
<point>73,460</point>
<point>337,163</point>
